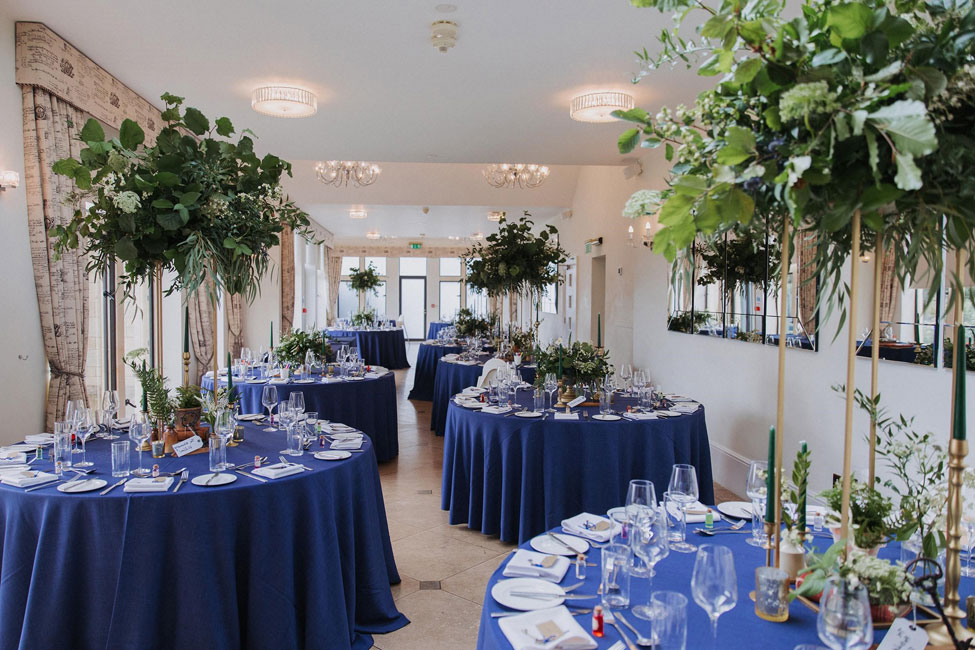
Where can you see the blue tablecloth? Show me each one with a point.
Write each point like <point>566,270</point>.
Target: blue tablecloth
<point>516,478</point>
<point>450,379</point>
<point>368,405</point>
<point>738,629</point>
<point>379,347</point>
<point>299,562</point>
<point>425,371</point>
<point>905,353</point>
<point>435,328</point>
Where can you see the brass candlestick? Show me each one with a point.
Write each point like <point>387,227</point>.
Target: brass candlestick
<point>186,368</point>
<point>939,633</point>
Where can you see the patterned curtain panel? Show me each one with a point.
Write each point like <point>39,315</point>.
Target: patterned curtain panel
<point>806,247</point>
<point>889,287</point>
<point>333,269</point>
<point>201,331</point>
<point>287,280</point>
<point>62,287</point>
<point>235,323</point>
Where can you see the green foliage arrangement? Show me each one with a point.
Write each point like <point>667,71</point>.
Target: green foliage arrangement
<point>187,397</point>
<point>153,384</point>
<point>886,583</point>
<point>363,318</point>
<point>202,206</point>
<point>870,513</point>
<point>523,340</point>
<point>468,324</point>
<point>515,259</point>
<point>865,105</point>
<point>924,354</point>
<point>582,363</point>
<point>738,261</point>
<point>795,493</point>
<point>295,345</point>
<point>367,279</point>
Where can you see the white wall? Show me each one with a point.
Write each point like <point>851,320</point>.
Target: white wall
<point>23,365</point>
<point>266,308</point>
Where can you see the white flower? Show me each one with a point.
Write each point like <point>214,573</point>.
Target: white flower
<point>642,202</point>
<point>127,202</point>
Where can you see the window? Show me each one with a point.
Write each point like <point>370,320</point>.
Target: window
<point>450,267</point>
<point>99,360</point>
<point>379,263</point>
<point>377,302</point>
<point>412,266</point>
<point>449,299</point>
<point>349,263</point>
<point>477,302</point>
<point>550,298</point>
<point>348,300</point>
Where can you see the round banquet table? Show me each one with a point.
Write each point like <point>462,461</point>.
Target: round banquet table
<point>892,351</point>
<point>435,328</point>
<point>738,629</point>
<point>378,347</point>
<point>368,405</point>
<point>517,477</point>
<point>303,561</point>
<point>450,379</point>
<point>425,371</point>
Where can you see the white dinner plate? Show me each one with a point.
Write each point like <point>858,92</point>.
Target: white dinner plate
<point>20,447</point>
<point>545,544</point>
<point>606,417</point>
<point>528,414</point>
<point>304,381</point>
<point>668,414</point>
<point>222,478</point>
<point>736,509</point>
<point>257,381</point>
<point>501,592</point>
<point>332,455</point>
<point>354,378</point>
<point>84,485</point>
<point>352,435</point>
<point>470,403</point>
<point>474,390</point>
<point>338,427</point>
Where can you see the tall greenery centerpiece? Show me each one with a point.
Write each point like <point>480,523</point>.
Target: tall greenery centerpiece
<point>467,323</point>
<point>362,280</point>
<point>294,346</point>
<point>580,363</point>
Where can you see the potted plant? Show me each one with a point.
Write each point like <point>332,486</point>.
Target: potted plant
<point>792,558</point>
<point>870,513</point>
<point>362,280</point>
<point>186,405</point>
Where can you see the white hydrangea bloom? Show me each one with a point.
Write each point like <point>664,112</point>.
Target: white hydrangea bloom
<point>127,202</point>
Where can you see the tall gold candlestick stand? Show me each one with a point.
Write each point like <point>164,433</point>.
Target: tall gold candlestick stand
<point>186,368</point>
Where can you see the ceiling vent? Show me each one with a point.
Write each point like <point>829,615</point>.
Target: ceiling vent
<point>443,35</point>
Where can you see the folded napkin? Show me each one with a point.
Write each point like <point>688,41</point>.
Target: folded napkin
<point>522,631</point>
<point>585,525</point>
<point>467,363</point>
<point>331,380</point>
<point>349,443</point>
<point>338,427</point>
<point>566,416</point>
<point>469,403</point>
<point>10,470</point>
<point>12,458</point>
<point>450,357</point>
<point>686,407</point>
<point>26,478</point>
<point>257,381</point>
<point>372,375</point>
<point>640,416</point>
<point>696,512</point>
<point>496,410</point>
<point>529,564</point>
<point>39,438</point>
<point>149,484</point>
<point>250,417</point>
<point>279,470</point>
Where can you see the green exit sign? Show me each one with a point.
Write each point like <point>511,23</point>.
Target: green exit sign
<point>415,245</point>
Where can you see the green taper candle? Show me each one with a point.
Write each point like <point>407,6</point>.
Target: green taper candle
<point>961,367</point>
<point>272,333</point>
<point>801,506</point>
<point>186,331</point>
<point>230,375</point>
<point>770,479</point>
<point>145,398</point>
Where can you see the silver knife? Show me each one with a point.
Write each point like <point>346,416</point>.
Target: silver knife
<point>248,474</point>
<point>113,486</point>
<point>546,595</point>
<point>564,544</point>
<point>42,485</point>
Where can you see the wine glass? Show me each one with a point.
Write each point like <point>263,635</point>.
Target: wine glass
<point>756,488</point>
<point>648,539</point>
<point>626,372</point>
<point>224,426</point>
<point>683,489</point>
<point>968,520</point>
<point>640,495</point>
<point>269,399</point>
<point>551,387</point>
<point>297,402</point>
<point>87,424</point>
<point>110,406</point>
<point>844,621</point>
<point>139,431</point>
<point>714,583</point>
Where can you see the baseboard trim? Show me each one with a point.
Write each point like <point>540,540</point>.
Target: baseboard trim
<point>728,468</point>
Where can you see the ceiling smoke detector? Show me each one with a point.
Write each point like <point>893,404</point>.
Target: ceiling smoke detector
<point>443,35</point>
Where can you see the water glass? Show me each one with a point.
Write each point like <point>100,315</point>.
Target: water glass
<point>670,620</point>
<point>683,489</point>
<point>675,521</point>
<point>120,458</point>
<point>621,526</point>
<point>758,538</point>
<point>296,439</point>
<point>616,576</point>
<point>771,594</point>
<point>538,401</point>
<point>605,401</point>
<point>218,454</point>
<point>648,540</point>
<point>62,444</point>
<point>844,621</point>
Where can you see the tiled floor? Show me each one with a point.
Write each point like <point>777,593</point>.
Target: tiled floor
<point>444,568</point>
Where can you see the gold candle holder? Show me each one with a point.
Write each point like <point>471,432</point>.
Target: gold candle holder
<point>939,633</point>
<point>186,368</point>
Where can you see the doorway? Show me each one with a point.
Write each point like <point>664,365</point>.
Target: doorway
<point>598,293</point>
<point>413,306</point>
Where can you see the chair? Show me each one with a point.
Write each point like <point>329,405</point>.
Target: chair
<point>490,370</point>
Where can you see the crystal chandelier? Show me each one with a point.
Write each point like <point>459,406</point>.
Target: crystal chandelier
<point>515,175</point>
<point>342,172</point>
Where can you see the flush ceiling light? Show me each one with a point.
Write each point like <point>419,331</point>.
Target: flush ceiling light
<point>358,214</point>
<point>284,101</point>
<point>372,234</point>
<point>443,35</point>
<point>495,216</point>
<point>599,106</point>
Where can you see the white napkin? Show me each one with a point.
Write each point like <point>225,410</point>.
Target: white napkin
<point>257,381</point>
<point>39,438</point>
<point>686,407</point>
<point>640,416</point>
<point>351,443</point>
<point>469,403</point>
<point>527,564</point>
<point>582,526</point>
<point>250,417</point>
<point>279,470</point>
<point>692,512</point>
<point>473,390</point>
<point>208,374</point>
<point>331,380</point>
<point>372,375</point>
<point>575,638</point>
<point>159,484</point>
<point>12,458</point>
<point>467,363</point>
<point>338,427</point>
<point>449,357</point>
<point>26,478</point>
<point>566,416</point>
<point>497,410</point>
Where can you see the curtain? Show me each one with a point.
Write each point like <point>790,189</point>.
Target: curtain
<point>888,287</point>
<point>61,285</point>
<point>201,330</point>
<point>287,280</point>
<point>333,271</point>
<point>235,323</point>
<point>806,249</point>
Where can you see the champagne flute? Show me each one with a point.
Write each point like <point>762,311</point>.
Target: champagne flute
<point>648,539</point>
<point>714,584</point>
<point>110,406</point>
<point>269,399</point>
<point>844,621</point>
<point>756,488</point>
<point>139,431</point>
<point>683,490</point>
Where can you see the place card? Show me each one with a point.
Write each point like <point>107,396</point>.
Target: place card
<point>904,635</point>
<point>577,401</point>
<point>549,629</point>
<point>187,446</point>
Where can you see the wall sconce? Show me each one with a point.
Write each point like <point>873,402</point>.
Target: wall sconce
<point>647,236</point>
<point>629,232</point>
<point>865,256</point>
<point>9,179</point>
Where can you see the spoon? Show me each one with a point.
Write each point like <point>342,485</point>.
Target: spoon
<point>640,639</point>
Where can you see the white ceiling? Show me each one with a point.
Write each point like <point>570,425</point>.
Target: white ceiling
<point>385,94</point>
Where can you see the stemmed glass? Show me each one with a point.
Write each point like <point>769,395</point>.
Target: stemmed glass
<point>648,539</point>
<point>288,416</point>
<point>756,488</point>
<point>551,387</point>
<point>224,426</point>
<point>110,406</point>
<point>626,372</point>
<point>87,424</point>
<point>269,399</point>
<point>296,402</point>
<point>844,621</point>
<point>641,493</point>
<point>139,431</point>
<point>683,489</point>
<point>714,583</point>
<point>968,520</point>
<point>72,416</point>
<point>309,362</point>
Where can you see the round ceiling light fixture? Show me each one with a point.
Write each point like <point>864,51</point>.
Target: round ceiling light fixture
<point>599,106</point>
<point>443,35</point>
<point>284,101</point>
<point>372,234</point>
